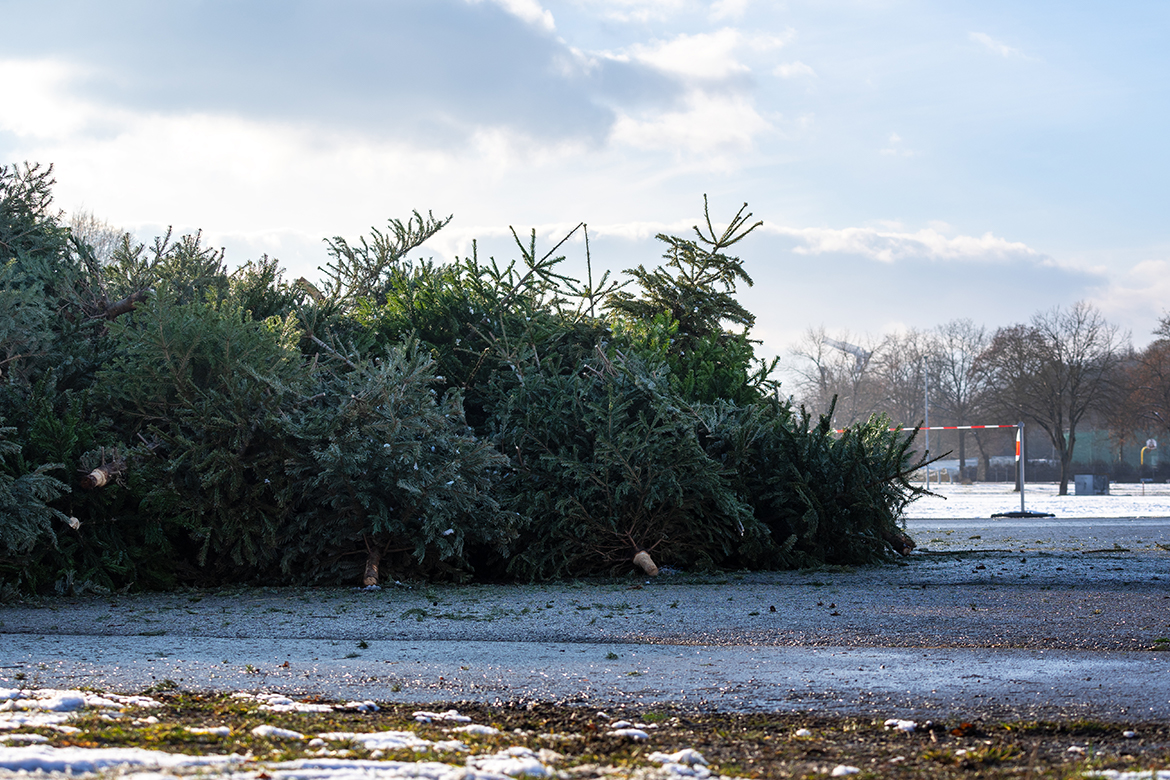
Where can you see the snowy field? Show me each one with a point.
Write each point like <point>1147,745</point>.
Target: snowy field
<point>983,499</point>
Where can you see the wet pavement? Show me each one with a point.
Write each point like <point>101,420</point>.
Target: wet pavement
<point>995,619</point>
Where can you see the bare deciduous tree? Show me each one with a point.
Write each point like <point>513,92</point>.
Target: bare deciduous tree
<point>1151,380</point>
<point>960,394</point>
<point>828,367</point>
<point>1053,371</point>
<point>898,369</point>
<point>100,235</point>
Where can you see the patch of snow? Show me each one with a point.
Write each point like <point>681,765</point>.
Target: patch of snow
<point>843,770</point>
<point>391,740</point>
<point>272,732</point>
<point>422,716</point>
<point>18,720</point>
<point>56,701</point>
<point>621,724</point>
<point>363,769</point>
<point>1140,774</point>
<point>75,760</point>
<point>49,707</point>
<point>513,762</point>
<point>547,756</point>
<point>38,738</point>
<point>901,725</point>
<point>635,734</point>
<point>214,731</point>
<point>475,728</point>
<point>803,733</point>
<point>687,762</point>
<point>688,756</point>
<point>360,706</point>
<point>275,702</point>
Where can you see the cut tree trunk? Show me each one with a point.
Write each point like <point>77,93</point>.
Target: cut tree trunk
<point>373,560</point>
<point>646,563</point>
<point>127,304</point>
<point>102,475</point>
<point>901,543</point>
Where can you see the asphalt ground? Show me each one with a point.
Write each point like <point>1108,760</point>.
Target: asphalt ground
<point>1040,619</point>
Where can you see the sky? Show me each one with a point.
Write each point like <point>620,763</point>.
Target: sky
<point>912,162</point>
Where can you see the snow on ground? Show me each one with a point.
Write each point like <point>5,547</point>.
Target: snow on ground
<point>29,755</point>
<point>76,760</point>
<point>983,499</point>
<point>24,708</point>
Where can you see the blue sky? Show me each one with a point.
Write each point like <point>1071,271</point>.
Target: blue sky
<point>913,162</point>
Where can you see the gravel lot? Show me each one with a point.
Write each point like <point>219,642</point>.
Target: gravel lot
<point>987,622</point>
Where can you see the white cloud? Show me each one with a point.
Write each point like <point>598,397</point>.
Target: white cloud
<point>709,123</point>
<point>237,176</point>
<point>895,149</point>
<point>789,70</point>
<point>888,246</point>
<point>728,9</point>
<point>1002,49</point>
<point>1137,298</point>
<point>709,56</point>
<point>29,92</point>
<point>529,10</point>
<point>635,10</point>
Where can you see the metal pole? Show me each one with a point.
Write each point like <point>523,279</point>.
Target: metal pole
<point>1023,463</point>
<point>926,411</point>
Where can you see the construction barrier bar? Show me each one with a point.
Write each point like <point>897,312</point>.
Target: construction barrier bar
<point>939,428</point>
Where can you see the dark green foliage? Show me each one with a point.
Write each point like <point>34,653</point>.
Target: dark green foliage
<point>203,387</point>
<point>383,466</point>
<point>259,289</point>
<point>26,326</point>
<point>28,224</point>
<point>184,269</point>
<point>367,270</point>
<point>680,316</point>
<point>487,324</point>
<point>607,464</point>
<point>696,287</point>
<point>25,517</point>
<point>717,366</point>
<point>478,418</point>
<point>826,498</point>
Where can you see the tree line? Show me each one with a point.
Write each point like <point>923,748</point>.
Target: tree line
<point>165,419</point>
<point>1063,370</point>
